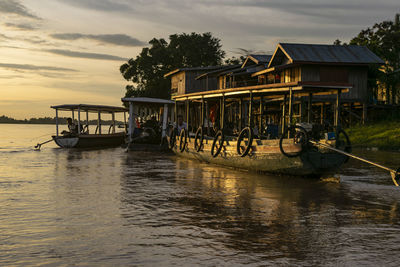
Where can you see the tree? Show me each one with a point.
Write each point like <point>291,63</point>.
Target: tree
<point>146,72</point>
<point>384,40</point>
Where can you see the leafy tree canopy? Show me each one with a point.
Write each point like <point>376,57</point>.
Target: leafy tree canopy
<point>183,50</point>
<point>384,40</point>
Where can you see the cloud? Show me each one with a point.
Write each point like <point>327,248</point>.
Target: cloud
<point>21,26</point>
<point>16,8</point>
<point>19,67</point>
<point>69,53</point>
<point>115,39</point>
<point>101,5</point>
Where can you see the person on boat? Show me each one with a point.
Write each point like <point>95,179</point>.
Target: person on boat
<point>72,128</point>
<point>181,124</point>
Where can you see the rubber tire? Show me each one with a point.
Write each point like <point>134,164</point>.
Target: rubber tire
<point>249,144</point>
<point>303,147</point>
<point>182,136</point>
<point>348,143</point>
<point>199,135</point>
<point>347,148</point>
<point>219,133</point>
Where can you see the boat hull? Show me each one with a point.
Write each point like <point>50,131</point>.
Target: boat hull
<point>265,156</point>
<point>90,141</point>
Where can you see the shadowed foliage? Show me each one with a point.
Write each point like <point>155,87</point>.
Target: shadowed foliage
<point>146,72</point>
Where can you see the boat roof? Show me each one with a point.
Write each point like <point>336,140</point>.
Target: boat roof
<point>90,108</point>
<point>147,100</point>
<point>271,90</point>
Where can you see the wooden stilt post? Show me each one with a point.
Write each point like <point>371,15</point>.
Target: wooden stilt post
<point>240,113</point>
<point>337,111</point>
<point>284,114</point>
<point>261,112</point>
<point>364,113</point>
<point>309,115</point>
<point>223,113</point>
<point>202,113</point>
<point>251,110</point>
<point>322,113</point>
<point>187,117</point>
<point>290,106</point>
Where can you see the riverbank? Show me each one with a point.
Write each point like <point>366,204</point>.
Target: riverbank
<point>382,135</point>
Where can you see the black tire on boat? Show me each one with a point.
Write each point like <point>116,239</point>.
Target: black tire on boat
<point>300,137</point>
<point>172,138</point>
<point>215,152</point>
<point>182,140</point>
<point>199,137</point>
<point>246,132</point>
<point>345,144</point>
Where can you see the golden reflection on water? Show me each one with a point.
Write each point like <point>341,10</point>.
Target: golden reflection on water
<point>108,207</point>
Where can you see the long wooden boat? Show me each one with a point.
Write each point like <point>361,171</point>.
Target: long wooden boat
<point>84,138</point>
<point>266,156</point>
<point>90,140</point>
<point>289,153</point>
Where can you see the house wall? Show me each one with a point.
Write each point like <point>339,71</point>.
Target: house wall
<point>192,85</point>
<point>178,83</point>
<point>357,76</point>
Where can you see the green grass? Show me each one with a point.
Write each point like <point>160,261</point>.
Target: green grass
<point>384,135</point>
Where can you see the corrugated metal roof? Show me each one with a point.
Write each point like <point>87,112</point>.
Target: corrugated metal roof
<point>221,69</point>
<point>147,100</point>
<point>330,53</point>
<point>262,58</point>
<point>90,108</point>
<point>191,69</point>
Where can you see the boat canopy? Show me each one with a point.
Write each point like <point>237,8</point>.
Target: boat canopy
<point>147,100</point>
<point>272,90</point>
<point>90,108</point>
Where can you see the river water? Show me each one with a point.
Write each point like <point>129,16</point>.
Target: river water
<point>112,208</point>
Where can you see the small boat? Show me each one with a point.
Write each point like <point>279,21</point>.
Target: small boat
<point>148,123</point>
<point>103,136</point>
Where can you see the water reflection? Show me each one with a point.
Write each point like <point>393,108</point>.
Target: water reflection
<point>108,207</point>
<point>270,218</point>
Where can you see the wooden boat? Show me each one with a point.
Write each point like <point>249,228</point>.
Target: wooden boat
<point>83,138</point>
<point>290,154</point>
<point>148,123</point>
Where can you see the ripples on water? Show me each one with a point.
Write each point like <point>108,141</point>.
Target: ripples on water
<point>108,207</point>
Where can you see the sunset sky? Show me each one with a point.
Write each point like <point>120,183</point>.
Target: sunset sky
<point>69,51</point>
